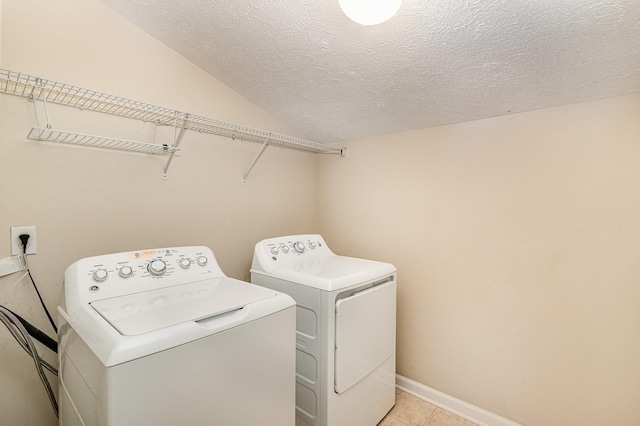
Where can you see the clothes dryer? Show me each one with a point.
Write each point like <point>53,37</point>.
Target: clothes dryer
<point>163,337</point>
<point>345,328</point>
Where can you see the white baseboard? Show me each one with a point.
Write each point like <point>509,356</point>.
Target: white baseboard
<point>453,405</point>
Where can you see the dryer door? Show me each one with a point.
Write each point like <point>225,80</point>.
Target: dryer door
<point>365,333</point>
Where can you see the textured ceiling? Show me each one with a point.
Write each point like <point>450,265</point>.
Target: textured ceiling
<point>436,62</point>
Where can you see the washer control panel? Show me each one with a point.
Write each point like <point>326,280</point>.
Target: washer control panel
<point>125,273</point>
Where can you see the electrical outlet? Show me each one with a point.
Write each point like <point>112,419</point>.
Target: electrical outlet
<point>16,243</point>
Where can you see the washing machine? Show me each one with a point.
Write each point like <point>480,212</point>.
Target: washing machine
<point>345,328</point>
<point>163,337</point>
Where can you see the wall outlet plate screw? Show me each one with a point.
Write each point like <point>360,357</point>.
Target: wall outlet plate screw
<point>16,244</point>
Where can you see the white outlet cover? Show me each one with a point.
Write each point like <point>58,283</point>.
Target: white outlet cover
<point>16,244</point>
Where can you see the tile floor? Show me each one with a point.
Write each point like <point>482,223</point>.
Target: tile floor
<point>412,411</point>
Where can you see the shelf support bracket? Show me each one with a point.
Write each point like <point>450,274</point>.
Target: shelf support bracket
<point>176,142</point>
<point>255,160</point>
<point>33,99</point>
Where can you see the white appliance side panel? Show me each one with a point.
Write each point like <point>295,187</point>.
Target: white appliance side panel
<point>311,341</point>
<point>241,376</point>
<point>365,334</point>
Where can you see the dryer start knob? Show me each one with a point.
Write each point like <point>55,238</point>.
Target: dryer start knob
<point>157,267</point>
<point>298,246</point>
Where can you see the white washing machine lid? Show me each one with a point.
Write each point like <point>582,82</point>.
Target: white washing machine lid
<point>152,310</point>
<point>332,272</point>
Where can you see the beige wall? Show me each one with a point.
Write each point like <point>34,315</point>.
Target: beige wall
<point>87,202</point>
<point>517,242</point>
<point>516,238</point>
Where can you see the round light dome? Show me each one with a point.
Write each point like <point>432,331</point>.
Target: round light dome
<point>370,12</point>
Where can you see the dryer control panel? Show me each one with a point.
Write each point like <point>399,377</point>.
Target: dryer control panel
<point>293,248</point>
<point>310,245</point>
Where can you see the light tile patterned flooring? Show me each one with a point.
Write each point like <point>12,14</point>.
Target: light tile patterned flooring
<point>412,411</point>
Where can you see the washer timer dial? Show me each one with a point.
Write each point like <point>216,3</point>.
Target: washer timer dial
<point>157,267</point>
<point>299,246</point>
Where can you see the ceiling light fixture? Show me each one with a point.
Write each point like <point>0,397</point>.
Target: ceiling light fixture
<point>370,12</point>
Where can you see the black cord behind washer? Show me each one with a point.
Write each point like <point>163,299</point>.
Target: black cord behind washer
<point>36,333</point>
<point>25,239</point>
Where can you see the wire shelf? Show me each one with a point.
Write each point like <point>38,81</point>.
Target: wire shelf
<point>73,138</point>
<point>36,88</point>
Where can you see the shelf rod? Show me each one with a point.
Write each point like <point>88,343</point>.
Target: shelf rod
<point>36,88</point>
<point>255,160</point>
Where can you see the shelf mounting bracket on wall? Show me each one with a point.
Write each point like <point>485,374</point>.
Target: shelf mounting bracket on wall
<point>255,160</point>
<point>176,141</point>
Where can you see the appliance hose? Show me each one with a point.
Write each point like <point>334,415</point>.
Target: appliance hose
<point>19,332</point>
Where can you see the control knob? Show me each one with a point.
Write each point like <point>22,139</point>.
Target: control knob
<point>185,263</point>
<point>274,250</point>
<point>298,246</point>
<point>202,260</point>
<point>157,267</point>
<point>125,271</point>
<point>284,248</point>
<point>312,245</point>
<point>100,275</point>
